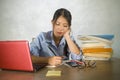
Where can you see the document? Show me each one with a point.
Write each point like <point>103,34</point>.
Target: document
<point>53,73</point>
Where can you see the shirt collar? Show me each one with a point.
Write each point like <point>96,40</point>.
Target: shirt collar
<point>49,39</point>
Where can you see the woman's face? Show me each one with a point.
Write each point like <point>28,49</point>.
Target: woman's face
<point>60,27</point>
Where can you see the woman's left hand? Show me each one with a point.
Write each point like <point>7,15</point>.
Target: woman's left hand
<point>67,33</point>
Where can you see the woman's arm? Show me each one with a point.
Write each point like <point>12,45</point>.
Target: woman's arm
<point>55,60</point>
<point>72,46</point>
<point>36,59</point>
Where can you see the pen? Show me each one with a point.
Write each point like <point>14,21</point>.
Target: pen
<point>52,51</point>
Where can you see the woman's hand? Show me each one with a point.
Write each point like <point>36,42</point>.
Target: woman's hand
<point>55,60</point>
<point>67,33</point>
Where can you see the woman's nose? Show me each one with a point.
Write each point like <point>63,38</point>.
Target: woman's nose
<point>61,28</point>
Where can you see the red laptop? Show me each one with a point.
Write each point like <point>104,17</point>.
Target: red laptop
<point>15,55</point>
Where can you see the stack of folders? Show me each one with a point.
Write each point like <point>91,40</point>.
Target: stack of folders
<point>96,47</point>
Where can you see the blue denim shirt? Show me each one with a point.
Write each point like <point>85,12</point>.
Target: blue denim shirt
<point>44,45</point>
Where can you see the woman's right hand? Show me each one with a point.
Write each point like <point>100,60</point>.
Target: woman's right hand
<point>55,60</point>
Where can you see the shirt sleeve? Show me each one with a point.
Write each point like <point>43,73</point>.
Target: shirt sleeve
<point>73,56</point>
<point>35,46</point>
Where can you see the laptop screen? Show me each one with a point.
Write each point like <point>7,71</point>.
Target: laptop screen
<point>15,55</point>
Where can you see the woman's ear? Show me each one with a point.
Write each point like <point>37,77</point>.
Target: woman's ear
<point>70,28</point>
<point>52,22</point>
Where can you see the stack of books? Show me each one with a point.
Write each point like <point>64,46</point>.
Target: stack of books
<point>96,47</point>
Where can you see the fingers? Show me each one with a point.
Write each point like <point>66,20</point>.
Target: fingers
<point>67,34</point>
<point>56,60</point>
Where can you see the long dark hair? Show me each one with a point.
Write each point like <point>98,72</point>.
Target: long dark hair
<point>63,12</point>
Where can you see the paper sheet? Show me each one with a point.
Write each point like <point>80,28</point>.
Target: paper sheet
<point>53,73</point>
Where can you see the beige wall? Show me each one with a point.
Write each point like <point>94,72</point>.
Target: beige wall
<point>24,19</point>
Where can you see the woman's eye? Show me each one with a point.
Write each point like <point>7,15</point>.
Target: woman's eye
<point>65,26</point>
<point>57,24</point>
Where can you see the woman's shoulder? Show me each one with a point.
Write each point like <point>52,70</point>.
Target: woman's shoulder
<point>43,35</point>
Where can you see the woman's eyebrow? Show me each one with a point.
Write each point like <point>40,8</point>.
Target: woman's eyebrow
<point>61,22</point>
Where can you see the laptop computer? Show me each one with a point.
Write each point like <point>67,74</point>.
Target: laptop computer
<point>15,55</point>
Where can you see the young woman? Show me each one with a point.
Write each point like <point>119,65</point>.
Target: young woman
<point>53,46</point>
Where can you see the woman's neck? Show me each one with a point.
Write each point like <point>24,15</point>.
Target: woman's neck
<point>57,40</point>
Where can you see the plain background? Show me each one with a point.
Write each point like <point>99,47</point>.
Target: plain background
<point>25,19</point>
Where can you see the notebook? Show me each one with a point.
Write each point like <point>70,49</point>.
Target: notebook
<point>15,55</point>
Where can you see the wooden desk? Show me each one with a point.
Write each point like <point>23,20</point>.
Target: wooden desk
<point>105,70</point>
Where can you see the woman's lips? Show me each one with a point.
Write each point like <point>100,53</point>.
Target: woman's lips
<point>59,32</point>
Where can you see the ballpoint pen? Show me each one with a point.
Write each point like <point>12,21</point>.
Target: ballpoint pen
<point>52,51</point>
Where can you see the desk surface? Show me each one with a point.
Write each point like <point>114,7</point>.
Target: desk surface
<point>105,70</point>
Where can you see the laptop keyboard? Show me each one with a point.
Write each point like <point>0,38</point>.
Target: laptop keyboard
<point>38,66</point>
